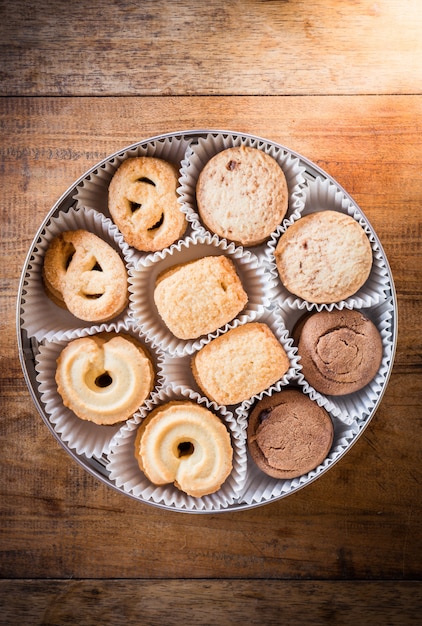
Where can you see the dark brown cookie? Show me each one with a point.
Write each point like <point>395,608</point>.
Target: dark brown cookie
<point>340,351</point>
<point>289,434</point>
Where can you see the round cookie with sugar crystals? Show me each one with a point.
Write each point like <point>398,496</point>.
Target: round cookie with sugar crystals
<point>324,257</point>
<point>242,195</point>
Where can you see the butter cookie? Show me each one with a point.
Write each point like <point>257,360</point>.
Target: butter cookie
<point>185,444</point>
<point>340,351</point>
<point>104,378</point>
<point>197,297</point>
<point>289,434</point>
<point>242,195</point>
<point>239,364</point>
<point>324,257</point>
<point>143,203</point>
<point>84,274</point>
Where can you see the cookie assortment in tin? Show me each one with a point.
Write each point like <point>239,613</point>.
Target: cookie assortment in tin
<point>205,225</point>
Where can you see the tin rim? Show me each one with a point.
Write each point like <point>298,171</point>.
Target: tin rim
<point>27,347</point>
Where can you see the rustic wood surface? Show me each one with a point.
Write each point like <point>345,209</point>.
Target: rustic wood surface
<point>340,83</point>
<point>249,47</point>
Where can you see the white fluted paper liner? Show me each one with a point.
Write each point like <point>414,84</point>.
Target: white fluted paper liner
<point>358,405</point>
<point>92,192</point>
<point>322,195</point>
<point>179,371</point>
<point>84,437</point>
<point>126,474</point>
<point>260,488</point>
<point>42,318</point>
<point>255,280</point>
<point>198,154</point>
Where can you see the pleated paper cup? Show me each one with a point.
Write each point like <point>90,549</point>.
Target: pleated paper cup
<point>200,152</point>
<point>276,324</point>
<point>260,488</point>
<point>124,470</point>
<point>179,370</point>
<point>324,195</point>
<point>92,191</point>
<point>84,437</point>
<point>255,280</point>
<point>357,406</point>
<point>41,317</point>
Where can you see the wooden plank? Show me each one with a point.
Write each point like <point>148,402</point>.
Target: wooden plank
<point>208,602</point>
<point>206,48</point>
<point>362,519</point>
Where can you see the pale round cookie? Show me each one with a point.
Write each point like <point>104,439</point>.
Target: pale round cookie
<point>143,203</point>
<point>84,274</point>
<point>340,351</point>
<point>324,257</point>
<point>239,364</point>
<point>242,195</point>
<point>289,434</point>
<point>104,378</point>
<point>185,444</point>
<point>198,297</point>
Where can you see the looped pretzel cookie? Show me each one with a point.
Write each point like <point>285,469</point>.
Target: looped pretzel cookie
<point>86,275</point>
<point>143,203</point>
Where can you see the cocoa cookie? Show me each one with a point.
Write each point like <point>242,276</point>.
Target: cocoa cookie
<point>324,257</point>
<point>340,351</point>
<point>242,195</point>
<point>289,434</point>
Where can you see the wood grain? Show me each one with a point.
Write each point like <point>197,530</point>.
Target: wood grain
<point>362,519</point>
<point>244,47</point>
<point>340,83</point>
<point>209,602</point>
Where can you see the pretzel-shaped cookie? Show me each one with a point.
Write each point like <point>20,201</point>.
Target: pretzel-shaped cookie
<point>143,203</point>
<point>86,275</point>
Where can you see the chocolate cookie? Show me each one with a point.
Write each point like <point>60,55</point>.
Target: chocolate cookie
<point>340,351</point>
<point>289,434</point>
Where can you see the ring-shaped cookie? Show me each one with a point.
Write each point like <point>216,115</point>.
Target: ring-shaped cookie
<point>143,203</point>
<point>86,275</point>
<point>185,444</point>
<point>104,378</point>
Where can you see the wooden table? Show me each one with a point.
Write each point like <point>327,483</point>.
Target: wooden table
<point>340,83</point>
